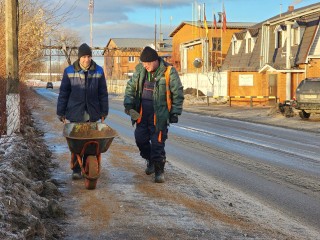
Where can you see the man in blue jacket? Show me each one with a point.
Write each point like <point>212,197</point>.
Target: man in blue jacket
<point>83,94</point>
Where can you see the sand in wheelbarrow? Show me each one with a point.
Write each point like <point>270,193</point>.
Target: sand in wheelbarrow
<point>89,131</point>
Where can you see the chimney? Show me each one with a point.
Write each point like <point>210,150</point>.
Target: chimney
<point>220,17</point>
<point>291,8</point>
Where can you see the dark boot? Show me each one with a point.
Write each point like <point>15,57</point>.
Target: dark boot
<point>76,174</point>
<point>159,171</point>
<point>150,167</point>
<point>76,170</point>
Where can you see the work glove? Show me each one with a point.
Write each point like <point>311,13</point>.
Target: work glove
<point>62,118</point>
<point>173,118</point>
<point>127,111</point>
<point>133,114</point>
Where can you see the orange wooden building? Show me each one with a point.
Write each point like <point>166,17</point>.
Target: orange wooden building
<point>121,55</point>
<point>190,41</point>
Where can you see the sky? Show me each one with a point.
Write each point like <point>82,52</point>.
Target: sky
<point>137,18</point>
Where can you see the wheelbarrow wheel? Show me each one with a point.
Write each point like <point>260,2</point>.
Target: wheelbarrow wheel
<point>92,171</point>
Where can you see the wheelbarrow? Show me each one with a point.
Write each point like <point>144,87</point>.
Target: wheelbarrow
<point>91,139</point>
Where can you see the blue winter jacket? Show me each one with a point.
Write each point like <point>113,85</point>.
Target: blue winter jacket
<point>78,95</point>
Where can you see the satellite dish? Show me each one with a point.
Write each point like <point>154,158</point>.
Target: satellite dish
<point>197,63</point>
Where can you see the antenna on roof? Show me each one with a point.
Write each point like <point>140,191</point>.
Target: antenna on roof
<point>280,8</point>
<point>193,16</point>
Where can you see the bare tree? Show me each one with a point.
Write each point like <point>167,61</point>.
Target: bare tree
<point>38,21</point>
<point>67,39</point>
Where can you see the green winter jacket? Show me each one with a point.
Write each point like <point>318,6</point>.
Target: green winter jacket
<point>133,93</point>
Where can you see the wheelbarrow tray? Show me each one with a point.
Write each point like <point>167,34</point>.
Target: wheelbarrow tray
<point>78,134</point>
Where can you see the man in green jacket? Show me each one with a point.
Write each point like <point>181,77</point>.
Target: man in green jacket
<point>152,108</point>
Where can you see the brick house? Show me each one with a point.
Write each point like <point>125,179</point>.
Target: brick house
<point>190,41</point>
<point>272,57</point>
<point>121,55</point>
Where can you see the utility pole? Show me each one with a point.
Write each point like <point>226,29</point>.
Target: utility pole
<point>91,8</point>
<point>12,67</point>
<point>160,30</point>
<point>50,70</point>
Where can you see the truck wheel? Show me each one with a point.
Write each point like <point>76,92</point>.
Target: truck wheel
<point>92,171</point>
<point>304,115</point>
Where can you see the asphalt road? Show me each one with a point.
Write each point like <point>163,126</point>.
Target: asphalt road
<point>280,167</point>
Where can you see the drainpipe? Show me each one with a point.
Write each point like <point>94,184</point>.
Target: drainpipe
<point>262,53</point>
<point>305,68</point>
<point>288,60</point>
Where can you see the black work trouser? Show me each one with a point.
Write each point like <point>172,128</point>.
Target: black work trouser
<point>150,142</point>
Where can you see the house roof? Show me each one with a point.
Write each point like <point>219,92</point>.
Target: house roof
<point>239,35</point>
<point>253,32</point>
<point>230,25</point>
<point>140,43</point>
<point>293,14</point>
<point>131,42</point>
<point>306,17</point>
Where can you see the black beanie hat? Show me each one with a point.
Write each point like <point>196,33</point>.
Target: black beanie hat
<point>83,50</point>
<point>148,55</point>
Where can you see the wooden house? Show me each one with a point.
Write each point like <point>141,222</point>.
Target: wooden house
<point>272,57</point>
<point>192,40</point>
<point>121,55</point>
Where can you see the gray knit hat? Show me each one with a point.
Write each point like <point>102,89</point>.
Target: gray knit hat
<point>148,55</point>
<point>84,50</point>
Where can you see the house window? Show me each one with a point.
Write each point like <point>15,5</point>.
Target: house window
<point>117,60</point>
<point>249,41</point>
<point>295,36</point>
<point>131,59</point>
<point>279,37</point>
<point>297,32</point>
<point>216,44</point>
<point>235,45</point>
<point>248,45</point>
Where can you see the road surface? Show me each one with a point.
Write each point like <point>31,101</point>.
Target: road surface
<point>277,167</point>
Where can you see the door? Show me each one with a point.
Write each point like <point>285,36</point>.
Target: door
<point>273,87</point>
